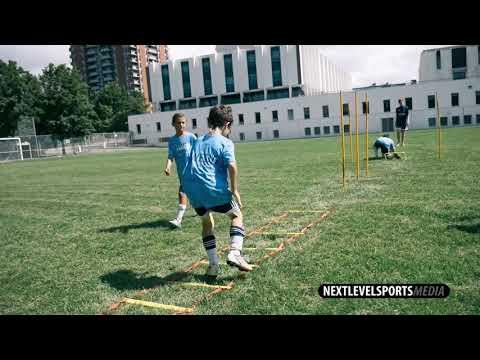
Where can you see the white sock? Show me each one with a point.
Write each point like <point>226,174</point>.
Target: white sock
<point>236,239</point>
<point>211,248</point>
<point>181,211</point>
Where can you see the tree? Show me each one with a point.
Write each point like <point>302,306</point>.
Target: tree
<point>19,96</point>
<point>66,108</point>
<point>113,104</point>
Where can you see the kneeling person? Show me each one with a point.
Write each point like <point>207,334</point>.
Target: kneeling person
<point>386,145</point>
<point>206,184</point>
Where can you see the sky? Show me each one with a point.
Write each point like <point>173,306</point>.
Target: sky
<point>367,64</point>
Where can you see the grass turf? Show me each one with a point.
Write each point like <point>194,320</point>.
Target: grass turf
<point>80,233</point>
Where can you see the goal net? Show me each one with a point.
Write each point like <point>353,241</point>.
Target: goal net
<point>11,149</point>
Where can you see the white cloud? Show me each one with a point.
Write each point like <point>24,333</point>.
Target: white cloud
<point>34,58</point>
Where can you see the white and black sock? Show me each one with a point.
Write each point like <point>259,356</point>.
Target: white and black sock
<point>237,233</point>
<point>211,247</point>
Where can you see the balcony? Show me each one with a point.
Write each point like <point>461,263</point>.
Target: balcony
<point>135,75</point>
<point>92,67</point>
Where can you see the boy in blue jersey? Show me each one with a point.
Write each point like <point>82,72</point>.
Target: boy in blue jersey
<point>206,184</point>
<point>387,146</point>
<point>179,149</point>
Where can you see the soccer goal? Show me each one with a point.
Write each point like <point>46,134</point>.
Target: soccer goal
<point>11,149</point>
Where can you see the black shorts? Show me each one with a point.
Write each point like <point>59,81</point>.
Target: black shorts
<point>227,208</point>
<point>401,124</point>
<point>382,147</point>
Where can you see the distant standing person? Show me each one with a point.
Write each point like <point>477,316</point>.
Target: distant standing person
<point>401,122</point>
<point>179,149</point>
<point>206,184</point>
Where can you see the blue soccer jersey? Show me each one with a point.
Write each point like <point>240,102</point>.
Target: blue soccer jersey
<point>179,149</point>
<point>206,179</point>
<point>387,142</point>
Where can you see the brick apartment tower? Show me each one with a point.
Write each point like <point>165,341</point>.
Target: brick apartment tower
<point>126,64</point>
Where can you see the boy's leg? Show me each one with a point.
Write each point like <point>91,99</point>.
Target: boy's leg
<point>209,243</point>
<point>237,233</point>
<point>182,207</point>
<point>398,136</point>
<point>403,137</point>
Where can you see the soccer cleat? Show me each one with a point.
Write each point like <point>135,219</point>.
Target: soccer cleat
<point>239,262</point>
<point>212,271</point>
<point>176,223</point>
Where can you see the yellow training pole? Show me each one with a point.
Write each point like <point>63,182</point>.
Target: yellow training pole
<point>367,105</point>
<point>343,139</point>
<point>357,153</point>
<point>439,136</point>
<point>350,133</point>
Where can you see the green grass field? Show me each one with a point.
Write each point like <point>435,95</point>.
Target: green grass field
<point>79,234</point>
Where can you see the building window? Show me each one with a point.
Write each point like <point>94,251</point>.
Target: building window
<point>336,129</point>
<point>242,137</point>
<point>168,106</point>
<point>455,120</point>
<point>467,119</point>
<point>444,121</point>
<point>277,94</point>
<point>297,91</point>
<point>454,99</point>
<point>386,105</point>
<point>210,101</point>
<point>316,130</point>
<point>230,99</point>
<point>276,134</point>
<point>159,127</point>
<point>459,74</point>
<point>326,130</point>
<point>258,118</point>
<point>166,83</point>
<point>194,123</point>
<point>241,120</point>
<point>139,129</point>
<point>432,122</point>
<point>459,57</point>
<point>259,135</point>
<point>254,96</point>
<point>409,103</point>
<point>252,70</point>
<point>346,110</point>
<point>290,114</point>
<point>308,131</point>
<point>477,97</point>
<point>364,108</point>
<point>478,51</point>
<point>431,101</point>
<point>229,81</point>
<point>187,104</point>
<point>439,60</point>
<point>478,118</point>
<point>325,111</point>
<point>387,124</point>
<point>207,76</point>
<point>274,116</point>
<point>306,113</point>
<point>187,91</point>
<point>276,66</point>
<point>346,128</point>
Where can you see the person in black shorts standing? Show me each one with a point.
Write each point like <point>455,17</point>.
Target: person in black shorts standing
<point>401,122</point>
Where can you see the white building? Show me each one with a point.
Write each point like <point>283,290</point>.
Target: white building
<point>309,105</point>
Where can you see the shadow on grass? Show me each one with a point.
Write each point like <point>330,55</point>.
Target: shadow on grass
<point>472,229</point>
<point>147,225</point>
<point>129,280</point>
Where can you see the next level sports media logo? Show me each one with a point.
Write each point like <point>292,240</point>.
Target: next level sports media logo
<point>403,291</point>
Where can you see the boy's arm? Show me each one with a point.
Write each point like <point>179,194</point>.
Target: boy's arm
<point>232,173</point>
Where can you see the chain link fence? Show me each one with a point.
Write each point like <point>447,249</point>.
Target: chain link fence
<point>46,145</point>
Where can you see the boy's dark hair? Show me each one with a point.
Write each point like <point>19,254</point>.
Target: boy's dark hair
<point>177,116</point>
<point>386,135</point>
<point>220,116</point>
